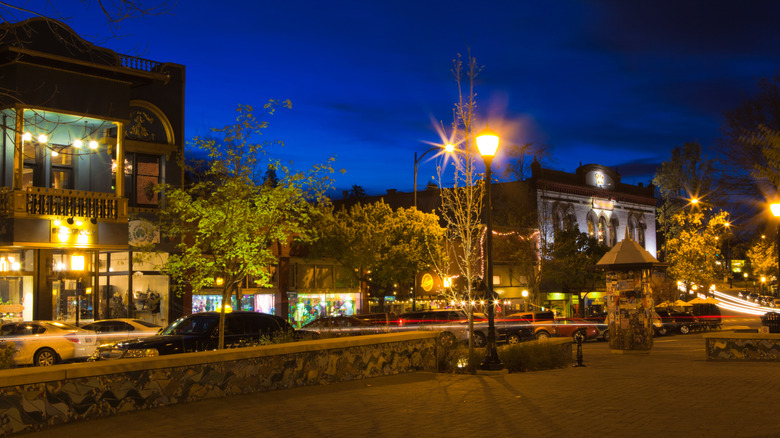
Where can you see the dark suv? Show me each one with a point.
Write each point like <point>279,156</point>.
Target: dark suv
<point>200,332</point>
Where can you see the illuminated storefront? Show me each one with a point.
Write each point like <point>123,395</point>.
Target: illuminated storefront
<point>65,203</point>
<point>306,307</point>
<point>209,300</point>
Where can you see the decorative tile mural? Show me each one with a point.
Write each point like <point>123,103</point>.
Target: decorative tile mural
<point>743,348</point>
<point>35,406</point>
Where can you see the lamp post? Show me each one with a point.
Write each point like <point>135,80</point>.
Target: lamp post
<point>487,143</point>
<point>448,147</point>
<point>776,212</point>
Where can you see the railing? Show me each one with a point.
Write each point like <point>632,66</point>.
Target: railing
<point>137,63</point>
<point>41,201</point>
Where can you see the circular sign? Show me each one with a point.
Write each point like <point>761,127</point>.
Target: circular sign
<point>427,282</point>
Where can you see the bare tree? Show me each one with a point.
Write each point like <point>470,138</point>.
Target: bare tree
<point>461,205</point>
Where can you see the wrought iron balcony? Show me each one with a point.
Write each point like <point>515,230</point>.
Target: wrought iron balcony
<point>41,201</point>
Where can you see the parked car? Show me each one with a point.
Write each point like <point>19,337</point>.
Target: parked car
<point>453,324</point>
<point>571,326</point>
<point>752,297</point>
<point>513,327</point>
<point>334,326</point>
<point>44,343</point>
<point>115,330</point>
<point>200,332</point>
<point>664,322</point>
<point>775,303</point>
<point>686,322</point>
<point>379,318</point>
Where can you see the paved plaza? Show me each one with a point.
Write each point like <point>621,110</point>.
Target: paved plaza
<point>672,392</point>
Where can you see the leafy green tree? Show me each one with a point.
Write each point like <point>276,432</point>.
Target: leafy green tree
<point>384,248</point>
<point>687,174</point>
<point>227,222</point>
<point>763,257</point>
<point>573,255</point>
<point>692,252</point>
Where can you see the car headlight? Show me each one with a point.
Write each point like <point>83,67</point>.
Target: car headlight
<point>141,352</point>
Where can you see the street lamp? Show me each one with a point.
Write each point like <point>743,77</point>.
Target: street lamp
<point>448,147</point>
<point>776,212</point>
<point>487,143</point>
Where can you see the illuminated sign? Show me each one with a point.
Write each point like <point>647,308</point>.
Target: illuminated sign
<point>427,282</point>
<point>603,204</point>
<point>73,232</point>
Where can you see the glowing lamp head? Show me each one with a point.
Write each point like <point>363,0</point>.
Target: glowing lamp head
<point>78,144</point>
<point>93,144</point>
<point>775,209</point>
<point>487,142</point>
<point>43,138</point>
<point>525,294</point>
<point>449,147</point>
<point>26,136</point>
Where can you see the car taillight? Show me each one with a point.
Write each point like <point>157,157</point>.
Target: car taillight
<point>73,339</point>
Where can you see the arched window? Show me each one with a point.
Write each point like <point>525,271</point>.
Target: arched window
<point>570,220</point>
<point>632,228</point>
<point>602,229</point>
<point>558,219</point>
<point>613,226</point>
<point>591,226</point>
<point>640,232</point>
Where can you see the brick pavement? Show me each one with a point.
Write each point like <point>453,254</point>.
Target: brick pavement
<point>673,392</point>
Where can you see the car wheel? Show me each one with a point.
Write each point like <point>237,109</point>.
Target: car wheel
<point>513,338</point>
<point>684,329</point>
<point>479,339</point>
<point>662,331</point>
<point>45,357</point>
<point>605,336</point>
<point>447,339</point>
<point>542,335</point>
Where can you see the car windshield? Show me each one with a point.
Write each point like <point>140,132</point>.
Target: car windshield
<point>192,325</point>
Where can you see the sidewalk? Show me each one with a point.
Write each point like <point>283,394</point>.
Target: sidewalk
<point>672,392</point>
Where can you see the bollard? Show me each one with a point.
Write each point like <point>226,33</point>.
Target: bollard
<point>579,337</point>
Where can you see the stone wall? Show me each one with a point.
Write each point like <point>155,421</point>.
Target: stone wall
<point>742,346</point>
<point>33,398</point>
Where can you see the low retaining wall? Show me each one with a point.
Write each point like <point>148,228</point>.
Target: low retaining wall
<point>742,346</point>
<point>33,398</point>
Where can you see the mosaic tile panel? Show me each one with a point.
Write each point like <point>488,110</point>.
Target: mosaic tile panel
<point>33,407</point>
<point>743,349</point>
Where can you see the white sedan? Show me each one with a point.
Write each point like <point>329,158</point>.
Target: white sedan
<point>121,329</point>
<point>44,343</point>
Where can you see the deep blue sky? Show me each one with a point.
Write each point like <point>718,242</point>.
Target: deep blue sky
<point>618,83</point>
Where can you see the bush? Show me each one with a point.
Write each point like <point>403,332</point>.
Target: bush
<point>533,356</point>
<point>7,351</point>
<point>455,358</point>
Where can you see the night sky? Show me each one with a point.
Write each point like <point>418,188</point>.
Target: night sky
<point>618,83</point>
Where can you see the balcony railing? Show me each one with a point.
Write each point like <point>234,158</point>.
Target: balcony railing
<point>41,201</point>
<point>137,63</point>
